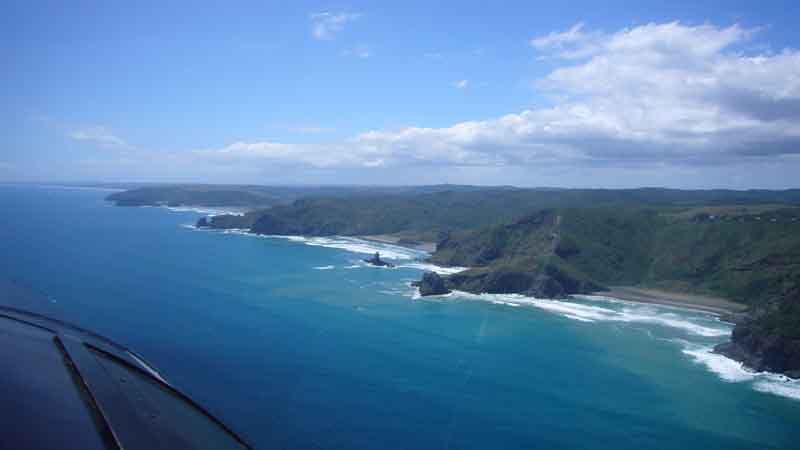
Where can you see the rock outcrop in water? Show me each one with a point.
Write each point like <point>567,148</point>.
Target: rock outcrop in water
<point>431,284</point>
<point>202,222</point>
<point>377,261</point>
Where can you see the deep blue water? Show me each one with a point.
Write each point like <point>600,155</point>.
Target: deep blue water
<point>296,357</point>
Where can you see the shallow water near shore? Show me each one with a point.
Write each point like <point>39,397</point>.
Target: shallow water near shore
<point>296,343</point>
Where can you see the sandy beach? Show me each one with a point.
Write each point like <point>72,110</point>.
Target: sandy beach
<point>429,247</point>
<point>679,299</point>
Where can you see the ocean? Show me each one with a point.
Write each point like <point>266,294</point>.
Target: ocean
<point>296,344</point>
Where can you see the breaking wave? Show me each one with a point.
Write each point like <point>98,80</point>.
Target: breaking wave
<point>697,324</point>
<point>726,368</point>
<point>434,268</point>
<point>209,212</point>
<point>705,328</point>
<point>735,372</point>
<point>774,384</point>
<point>356,245</point>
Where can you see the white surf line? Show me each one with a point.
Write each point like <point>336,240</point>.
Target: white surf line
<point>732,371</point>
<point>208,211</point>
<point>428,267</point>
<point>680,307</point>
<point>726,369</point>
<point>355,245</point>
<point>773,384</point>
<point>649,314</point>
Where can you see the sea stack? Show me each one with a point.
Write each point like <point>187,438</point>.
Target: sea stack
<point>377,261</point>
<point>431,284</point>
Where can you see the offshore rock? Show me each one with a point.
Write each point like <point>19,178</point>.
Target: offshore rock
<point>431,284</point>
<point>377,261</point>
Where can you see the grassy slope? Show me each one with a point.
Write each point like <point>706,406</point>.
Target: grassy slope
<point>427,213</point>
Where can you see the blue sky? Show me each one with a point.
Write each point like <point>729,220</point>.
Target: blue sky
<point>611,94</point>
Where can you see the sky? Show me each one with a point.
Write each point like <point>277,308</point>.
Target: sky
<point>685,94</point>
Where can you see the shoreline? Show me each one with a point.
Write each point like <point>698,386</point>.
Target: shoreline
<point>714,305</point>
<point>704,303</point>
<point>428,247</point>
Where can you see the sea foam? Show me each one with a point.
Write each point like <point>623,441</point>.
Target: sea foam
<point>726,368</point>
<point>361,246</point>
<point>356,245</point>
<point>735,372</point>
<point>778,385</point>
<point>434,268</point>
<point>209,212</point>
<point>698,324</point>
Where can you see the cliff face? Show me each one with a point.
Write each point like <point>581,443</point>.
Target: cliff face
<point>768,339</point>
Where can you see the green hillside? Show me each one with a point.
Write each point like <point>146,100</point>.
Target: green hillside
<point>741,256</point>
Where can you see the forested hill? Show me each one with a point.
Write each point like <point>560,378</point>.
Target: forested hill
<point>747,254</point>
<point>426,214</point>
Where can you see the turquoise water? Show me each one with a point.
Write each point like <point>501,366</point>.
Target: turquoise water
<point>300,346</point>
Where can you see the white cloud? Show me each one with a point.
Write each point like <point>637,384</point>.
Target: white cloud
<point>461,84</point>
<point>99,136</point>
<point>652,96</point>
<point>559,38</point>
<point>359,51</point>
<point>325,25</point>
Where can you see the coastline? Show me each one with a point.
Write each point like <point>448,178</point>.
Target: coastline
<point>725,367</point>
<point>714,305</point>
<point>705,303</point>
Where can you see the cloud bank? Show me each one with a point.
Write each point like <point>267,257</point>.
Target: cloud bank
<point>99,136</point>
<point>653,95</point>
<point>325,25</point>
